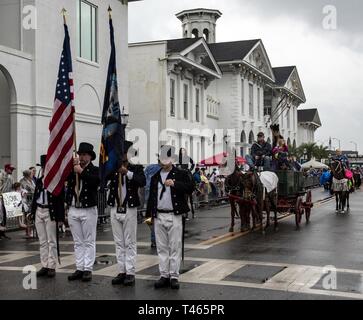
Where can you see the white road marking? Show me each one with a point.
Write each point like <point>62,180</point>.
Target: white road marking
<point>144,244</point>
<point>14,256</point>
<point>294,278</point>
<point>145,261</point>
<point>214,270</point>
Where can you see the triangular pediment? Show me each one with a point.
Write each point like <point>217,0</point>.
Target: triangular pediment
<point>200,53</point>
<point>259,59</point>
<point>294,85</point>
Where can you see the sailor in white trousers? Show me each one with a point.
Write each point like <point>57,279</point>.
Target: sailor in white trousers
<point>124,228</point>
<point>166,205</point>
<point>127,181</point>
<point>168,235</point>
<point>47,210</point>
<point>83,214</point>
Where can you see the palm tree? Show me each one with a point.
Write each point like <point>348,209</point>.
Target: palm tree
<point>321,152</point>
<point>309,148</point>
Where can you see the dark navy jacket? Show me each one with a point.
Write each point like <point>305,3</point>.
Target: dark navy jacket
<point>183,186</point>
<point>89,180</point>
<point>132,187</point>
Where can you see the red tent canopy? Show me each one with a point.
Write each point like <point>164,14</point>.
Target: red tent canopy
<point>218,159</point>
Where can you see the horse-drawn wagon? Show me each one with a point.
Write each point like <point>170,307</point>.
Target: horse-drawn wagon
<point>255,193</point>
<point>294,195</point>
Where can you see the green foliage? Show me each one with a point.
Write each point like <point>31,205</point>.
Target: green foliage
<point>312,151</point>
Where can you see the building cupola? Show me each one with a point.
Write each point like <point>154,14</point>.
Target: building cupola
<point>199,23</point>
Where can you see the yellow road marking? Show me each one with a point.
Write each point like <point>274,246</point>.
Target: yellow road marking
<point>233,235</point>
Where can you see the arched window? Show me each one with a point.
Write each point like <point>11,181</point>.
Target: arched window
<point>251,138</point>
<point>206,34</point>
<point>289,142</point>
<point>294,144</point>
<point>195,33</point>
<point>243,137</point>
<point>269,140</point>
<point>7,133</point>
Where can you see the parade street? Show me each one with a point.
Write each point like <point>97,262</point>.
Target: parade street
<point>286,264</point>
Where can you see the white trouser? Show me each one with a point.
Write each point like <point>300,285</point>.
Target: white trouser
<point>168,233</point>
<point>124,227</point>
<point>47,233</point>
<point>83,224</point>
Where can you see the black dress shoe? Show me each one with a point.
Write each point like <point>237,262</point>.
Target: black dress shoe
<point>162,283</point>
<point>76,275</point>
<point>174,284</point>
<point>87,276</point>
<point>129,280</point>
<point>42,272</point>
<point>51,273</point>
<point>119,279</point>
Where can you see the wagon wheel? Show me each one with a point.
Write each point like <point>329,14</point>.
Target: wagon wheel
<point>298,212</point>
<point>308,203</point>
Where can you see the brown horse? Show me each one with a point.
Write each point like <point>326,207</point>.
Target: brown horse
<point>234,188</point>
<point>339,185</point>
<point>247,192</point>
<point>265,201</point>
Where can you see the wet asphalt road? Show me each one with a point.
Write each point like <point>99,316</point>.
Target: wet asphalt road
<point>329,239</point>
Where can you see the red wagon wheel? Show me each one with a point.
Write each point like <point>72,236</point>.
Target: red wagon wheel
<point>298,212</point>
<point>308,206</point>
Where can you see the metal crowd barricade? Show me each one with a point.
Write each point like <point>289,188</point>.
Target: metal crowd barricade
<point>311,182</point>
<point>208,199</point>
<point>104,211</point>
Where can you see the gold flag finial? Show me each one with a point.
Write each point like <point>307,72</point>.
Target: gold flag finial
<point>64,11</point>
<point>109,11</point>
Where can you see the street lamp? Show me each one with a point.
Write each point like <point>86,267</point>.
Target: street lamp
<point>322,142</point>
<point>124,117</point>
<point>338,141</point>
<point>356,145</point>
<point>305,152</point>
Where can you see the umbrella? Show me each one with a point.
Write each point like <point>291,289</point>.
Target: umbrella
<point>314,164</point>
<point>220,158</point>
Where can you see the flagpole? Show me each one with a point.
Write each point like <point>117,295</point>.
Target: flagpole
<point>120,174</point>
<point>64,11</point>
<point>109,12</point>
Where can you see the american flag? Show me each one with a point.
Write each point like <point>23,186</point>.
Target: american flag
<point>59,156</point>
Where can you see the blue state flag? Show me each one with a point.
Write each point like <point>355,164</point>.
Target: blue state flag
<point>113,133</point>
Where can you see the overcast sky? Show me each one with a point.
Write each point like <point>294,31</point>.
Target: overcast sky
<point>329,62</point>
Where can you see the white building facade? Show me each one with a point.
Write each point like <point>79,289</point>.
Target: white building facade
<point>206,95</point>
<point>309,122</point>
<point>29,60</point>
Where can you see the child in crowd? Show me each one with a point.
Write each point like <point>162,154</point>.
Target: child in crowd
<point>280,155</point>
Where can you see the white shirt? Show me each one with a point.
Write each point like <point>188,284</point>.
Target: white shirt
<point>129,175</point>
<point>165,203</point>
<point>213,177</point>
